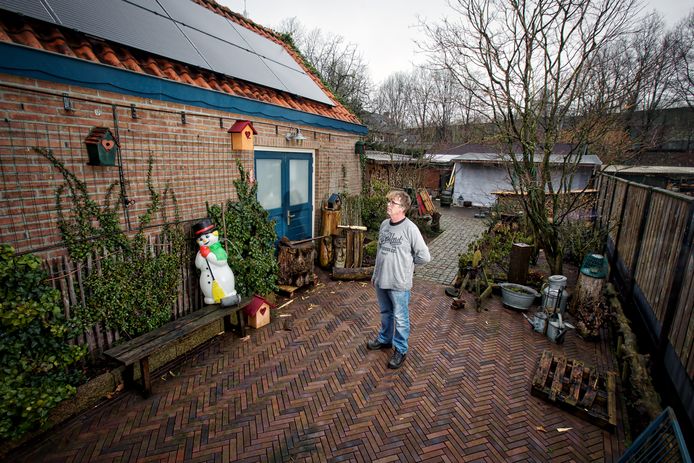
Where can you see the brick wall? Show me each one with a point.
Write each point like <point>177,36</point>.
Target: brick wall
<point>194,158</point>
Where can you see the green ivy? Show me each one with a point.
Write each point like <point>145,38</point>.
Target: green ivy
<point>136,287</point>
<point>250,237</point>
<point>34,350</point>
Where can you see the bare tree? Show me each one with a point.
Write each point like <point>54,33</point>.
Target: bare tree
<point>683,50</point>
<point>393,98</point>
<point>527,62</point>
<point>338,62</point>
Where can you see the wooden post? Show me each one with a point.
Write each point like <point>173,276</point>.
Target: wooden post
<point>520,261</point>
<point>349,253</point>
<point>330,219</point>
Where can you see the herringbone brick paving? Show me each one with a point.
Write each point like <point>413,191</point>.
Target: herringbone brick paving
<point>316,394</point>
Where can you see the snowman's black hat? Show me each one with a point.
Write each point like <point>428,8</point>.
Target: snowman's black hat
<point>204,226</point>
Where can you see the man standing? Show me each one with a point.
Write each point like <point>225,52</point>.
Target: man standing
<point>400,247</point>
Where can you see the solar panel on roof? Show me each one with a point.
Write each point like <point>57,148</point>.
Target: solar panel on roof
<point>233,60</point>
<point>128,24</point>
<point>299,83</point>
<point>180,30</point>
<point>31,9</point>
<point>151,5</point>
<point>267,48</point>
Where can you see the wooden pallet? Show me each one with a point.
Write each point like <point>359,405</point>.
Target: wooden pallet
<point>579,389</point>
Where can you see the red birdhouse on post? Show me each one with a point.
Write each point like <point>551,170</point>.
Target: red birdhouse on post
<point>242,134</point>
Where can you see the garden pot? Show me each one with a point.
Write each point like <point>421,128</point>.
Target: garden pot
<point>517,296</point>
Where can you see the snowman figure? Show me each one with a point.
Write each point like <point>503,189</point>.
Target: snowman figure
<point>216,278</point>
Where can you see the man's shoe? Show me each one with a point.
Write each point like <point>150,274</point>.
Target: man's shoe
<point>377,345</point>
<point>396,360</point>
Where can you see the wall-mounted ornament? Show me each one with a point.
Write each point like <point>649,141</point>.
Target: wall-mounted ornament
<point>102,147</point>
<point>242,136</point>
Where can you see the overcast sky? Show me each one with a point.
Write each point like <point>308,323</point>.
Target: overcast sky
<point>384,30</point>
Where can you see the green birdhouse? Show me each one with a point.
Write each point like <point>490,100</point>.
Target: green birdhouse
<point>102,147</point>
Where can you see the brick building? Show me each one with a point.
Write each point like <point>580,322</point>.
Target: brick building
<point>59,79</point>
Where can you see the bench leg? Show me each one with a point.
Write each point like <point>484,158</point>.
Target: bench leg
<point>239,327</point>
<point>146,381</point>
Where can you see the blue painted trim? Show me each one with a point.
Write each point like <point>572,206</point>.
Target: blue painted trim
<point>38,64</point>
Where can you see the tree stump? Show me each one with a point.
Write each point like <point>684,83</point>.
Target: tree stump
<point>587,289</point>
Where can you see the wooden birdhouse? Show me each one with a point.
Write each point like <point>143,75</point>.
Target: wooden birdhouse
<point>242,134</point>
<point>102,147</point>
<point>258,312</point>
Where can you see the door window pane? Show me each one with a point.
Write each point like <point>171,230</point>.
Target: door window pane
<point>269,177</point>
<point>298,181</point>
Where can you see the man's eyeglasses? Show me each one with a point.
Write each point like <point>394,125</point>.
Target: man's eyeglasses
<point>393,203</point>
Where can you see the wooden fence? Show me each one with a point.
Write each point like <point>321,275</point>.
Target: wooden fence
<point>70,277</point>
<point>652,260</point>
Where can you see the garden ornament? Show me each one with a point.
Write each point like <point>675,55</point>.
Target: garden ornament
<point>216,278</point>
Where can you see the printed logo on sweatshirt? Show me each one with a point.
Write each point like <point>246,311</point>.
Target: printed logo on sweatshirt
<point>388,241</point>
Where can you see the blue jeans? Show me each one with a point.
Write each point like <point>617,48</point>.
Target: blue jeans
<point>395,317</point>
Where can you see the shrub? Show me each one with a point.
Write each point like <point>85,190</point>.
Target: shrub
<point>580,238</point>
<point>373,205</point>
<point>251,238</point>
<point>34,349</point>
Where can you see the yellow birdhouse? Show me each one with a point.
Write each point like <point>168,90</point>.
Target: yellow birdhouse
<point>242,134</point>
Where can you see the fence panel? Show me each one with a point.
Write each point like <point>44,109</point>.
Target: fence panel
<point>660,248</point>
<point>630,223</point>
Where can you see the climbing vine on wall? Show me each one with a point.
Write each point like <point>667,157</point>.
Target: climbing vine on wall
<point>138,282</point>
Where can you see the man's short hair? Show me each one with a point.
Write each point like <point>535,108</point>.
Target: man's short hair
<point>401,197</point>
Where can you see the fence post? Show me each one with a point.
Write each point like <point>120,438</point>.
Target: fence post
<point>676,290</point>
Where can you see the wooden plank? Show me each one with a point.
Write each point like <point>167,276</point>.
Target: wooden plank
<point>287,289</point>
<point>134,350</point>
<point>576,381</point>
<point>591,390</point>
<point>558,381</point>
<point>611,398</point>
<point>543,369</point>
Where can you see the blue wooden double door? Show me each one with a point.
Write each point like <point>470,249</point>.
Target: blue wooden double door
<point>285,190</point>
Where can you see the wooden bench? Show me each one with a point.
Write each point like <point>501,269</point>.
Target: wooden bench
<point>142,347</point>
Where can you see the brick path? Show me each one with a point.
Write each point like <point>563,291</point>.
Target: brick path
<point>460,228</point>
<point>314,393</point>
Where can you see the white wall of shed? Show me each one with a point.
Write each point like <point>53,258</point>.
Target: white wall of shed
<point>476,182</point>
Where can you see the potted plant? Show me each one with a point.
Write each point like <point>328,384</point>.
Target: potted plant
<point>517,296</point>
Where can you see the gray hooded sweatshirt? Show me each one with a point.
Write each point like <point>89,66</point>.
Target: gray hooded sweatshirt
<point>400,247</point>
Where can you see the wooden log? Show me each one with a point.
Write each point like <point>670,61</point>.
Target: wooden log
<point>352,227</point>
<point>358,248</point>
<point>339,250</point>
<point>587,289</point>
<point>349,256</point>
<point>326,252</point>
<point>361,273</point>
<point>329,221</point>
<point>519,263</point>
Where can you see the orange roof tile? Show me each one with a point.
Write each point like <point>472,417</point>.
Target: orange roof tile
<point>44,36</point>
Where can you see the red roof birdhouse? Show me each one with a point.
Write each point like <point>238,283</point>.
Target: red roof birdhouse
<point>242,134</point>
<point>258,311</point>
